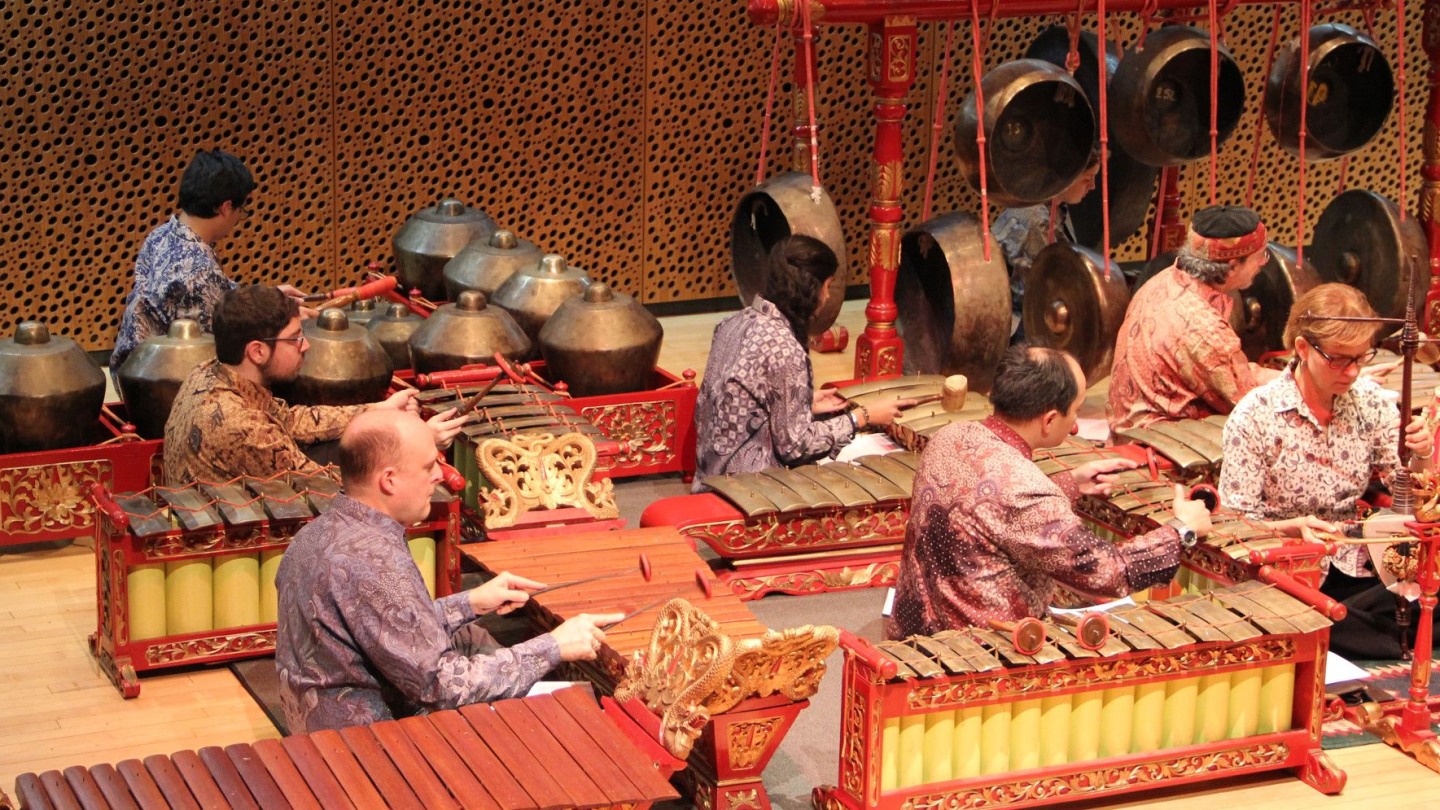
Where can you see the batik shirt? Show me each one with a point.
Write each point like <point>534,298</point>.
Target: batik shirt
<point>176,276</point>
<point>223,425</point>
<point>1176,356</point>
<point>990,537</point>
<point>1022,233</point>
<point>754,407</point>
<point>1280,463</point>
<point>358,638</point>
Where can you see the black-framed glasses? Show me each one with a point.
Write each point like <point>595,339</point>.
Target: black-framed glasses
<point>1340,362</point>
<point>297,340</point>
<point>245,210</point>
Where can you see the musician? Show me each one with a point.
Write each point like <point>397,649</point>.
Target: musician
<point>990,536</point>
<point>1024,231</point>
<point>177,274</point>
<point>1176,356</point>
<point>1301,449</point>
<point>758,407</point>
<point>225,422</point>
<point>358,638</point>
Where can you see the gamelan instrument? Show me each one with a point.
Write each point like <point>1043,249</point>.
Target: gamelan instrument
<point>187,575</point>
<point>532,294</point>
<point>548,751</point>
<point>485,264</point>
<point>433,236</point>
<point>151,376</point>
<point>1182,690</point>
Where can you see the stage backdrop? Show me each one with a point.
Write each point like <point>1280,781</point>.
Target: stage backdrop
<point>616,133</point>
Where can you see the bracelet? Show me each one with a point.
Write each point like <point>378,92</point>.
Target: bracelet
<point>865,414</point>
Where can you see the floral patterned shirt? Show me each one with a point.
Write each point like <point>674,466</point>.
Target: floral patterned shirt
<point>1281,463</point>
<point>1022,233</point>
<point>223,425</point>
<point>1176,356</point>
<point>990,536</point>
<point>176,276</point>
<point>754,406</point>
<point>358,638</point>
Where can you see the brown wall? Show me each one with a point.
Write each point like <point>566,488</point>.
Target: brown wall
<point>618,134</point>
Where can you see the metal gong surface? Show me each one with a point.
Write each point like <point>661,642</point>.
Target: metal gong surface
<point>1360,240</point>
<point>1160,97</point>
<point>1039,129</point>
<point>1348,98</point>
<point>954,306</point>
<point>1070,305</point>
<point>1132,183</point>
<point>773,210</point>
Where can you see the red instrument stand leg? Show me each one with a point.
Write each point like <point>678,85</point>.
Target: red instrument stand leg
<point>1318,772</point>
<point>730,756</point>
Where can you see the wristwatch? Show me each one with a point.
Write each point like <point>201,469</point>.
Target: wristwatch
<point>1188,538</point>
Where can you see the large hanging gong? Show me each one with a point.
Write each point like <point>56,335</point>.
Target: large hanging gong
<point>1160,97</point>
<point>773,210</point>
<point>1039,129</point>
<point>1132,183</point>
<point>1349,94</point>
<point>1360,240</point>
<point>1070,305</point>
<point>954,306</point>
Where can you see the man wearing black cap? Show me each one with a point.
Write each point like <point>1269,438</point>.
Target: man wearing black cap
<point>1176,356</point>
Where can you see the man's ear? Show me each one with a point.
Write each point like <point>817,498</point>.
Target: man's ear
<point>1047,421</point>
<point>257,352</point>
<point>385,481</point>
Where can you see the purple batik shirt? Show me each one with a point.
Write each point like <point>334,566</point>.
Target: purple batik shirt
<point>360,640</point>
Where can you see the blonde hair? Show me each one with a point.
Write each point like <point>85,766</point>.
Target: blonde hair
<point>1309,317</point>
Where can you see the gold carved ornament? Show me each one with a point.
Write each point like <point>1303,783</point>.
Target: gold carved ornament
<point>540,471</point>
<point>692,670</point>
<point>49,497</point>
<point>644,429</point>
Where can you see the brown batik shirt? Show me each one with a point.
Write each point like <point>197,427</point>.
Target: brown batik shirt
<point>223,425</point>
<point>990,536</point>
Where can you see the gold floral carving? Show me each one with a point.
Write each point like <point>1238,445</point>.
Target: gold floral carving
<point>692,670</point>
<point>50,497</point>
<point>1102,673</point>
<point>646,430</point>
<point>540,471</point>
<point>816,580</point>
<point>877,56</point>
<point>743,799</point>
<point>176,652</point>
<point>1100,781</point>
<point>867,525</point>
<point>852,739</point>
<point>748,740</point>
<point>889,177</point>
<point>900,67</point>
<point>889,360</point>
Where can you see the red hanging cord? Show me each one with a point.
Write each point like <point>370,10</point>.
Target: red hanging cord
<point>1147,19</point>
<point>1304,105</point>
<point>769,106</point>
<point>1214,99</point>
<point>1260,112</point>
<point>976,65</point>
<point>938,125</point>
<point>1104,143</point>
<point>1400,81</point>
<point>809,48</point>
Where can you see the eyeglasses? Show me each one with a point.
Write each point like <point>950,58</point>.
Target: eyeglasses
<point>297,340</point>
<point>244,209</point>
<point>1340,362</point>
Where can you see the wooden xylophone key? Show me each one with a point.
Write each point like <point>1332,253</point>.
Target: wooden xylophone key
<point>521,719</point>
<point>112,787</point>
<point>348,772</point>
<point>58,792</point>
<point>388,780</point>
<point>257,777</point>
<point>542,788</point>
<point>237,794</point>
<point>287,778</point>
<point>452,771</point>
<point>483,763</point>
<point>197,777</point>
<point>86,791</point>
<point>170,782</point>
<point>580,704</point>
<point>408,760</point>
<point>593,760</point>
<point>308,760</point>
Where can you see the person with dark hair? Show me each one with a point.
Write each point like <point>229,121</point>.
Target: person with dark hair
<point>225,422</point>
<point>758,407</point>
<point>1024,231</point>
<point>1177,356</point>
<point>1302,449</point>
<point>990,536</point>
<point>177,274</point>
<point>358,638</point>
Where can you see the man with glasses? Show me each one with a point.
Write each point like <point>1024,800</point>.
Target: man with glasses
<point>177,274</point>
<point>1176,356</point>
<point>1301,449</point>
<point>226,423</point>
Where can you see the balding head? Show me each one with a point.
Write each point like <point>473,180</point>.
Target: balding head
<point>387,460</point>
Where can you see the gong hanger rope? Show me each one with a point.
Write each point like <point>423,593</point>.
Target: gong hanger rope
<point>769,105</point>
<point>1214,100</point>
<point>809,48</point>
<point>1101,63</point>
<point>937,125</point>
<point>1260,112</point>
<point>977,61</point>
<point>1072,64</point>
<point>1305,11</point>
<point>1400,80</point>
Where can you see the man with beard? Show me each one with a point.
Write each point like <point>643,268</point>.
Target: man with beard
<point>225,422</point>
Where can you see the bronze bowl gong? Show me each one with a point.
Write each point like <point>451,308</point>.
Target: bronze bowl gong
<point>954,307</point>
<point>1039,130</point>
<point>1070,305</point>
<point>1360,240</point>
<point>433,236</point>
<point>773,210</point>
<point>343,366</point>
<point>151,376</point>
<point>1350,92</point>
<point>1160,97</point>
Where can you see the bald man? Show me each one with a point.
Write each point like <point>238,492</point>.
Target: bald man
<point>359,639</point>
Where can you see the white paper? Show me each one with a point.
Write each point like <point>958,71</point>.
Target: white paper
<point>889,603</point>
<point>546,687</point>
<point>1103,607</point>
<point>1096,430</point>
<point>867,444</point>
<point>1339,670</point>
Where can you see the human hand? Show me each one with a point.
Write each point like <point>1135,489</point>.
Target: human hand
<point>1193,513</point>
<point>291,292</point>
<point>1380,371</point>
<point>1097,477</point>
<point>1307,527</point>
<point>580,637</point>
<point>1419,440</point>
<point>826,400</point>
<point>503,593</point>
<point>402,400</point>
<point>446,425</point>
<point>884,412</point>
